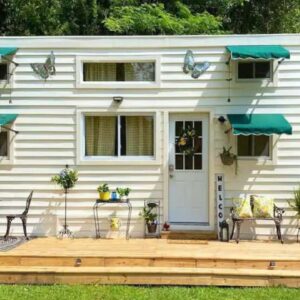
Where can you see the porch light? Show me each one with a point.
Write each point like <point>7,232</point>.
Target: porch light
<point>118,99</point>
<point>221,119</point>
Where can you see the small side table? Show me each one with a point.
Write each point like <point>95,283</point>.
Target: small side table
<point>99,203</point>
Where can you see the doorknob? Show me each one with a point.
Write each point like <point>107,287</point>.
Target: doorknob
<point>171,170</point>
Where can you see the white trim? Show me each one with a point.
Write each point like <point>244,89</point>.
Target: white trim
<point>117,84</point>
<point>122,160</point>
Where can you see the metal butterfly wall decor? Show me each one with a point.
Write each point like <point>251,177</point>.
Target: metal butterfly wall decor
<point>46,69</point>
<point>190,65</point>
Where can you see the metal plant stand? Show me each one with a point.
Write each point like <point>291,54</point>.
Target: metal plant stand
<point>65,232</point>
<point>100,203</point>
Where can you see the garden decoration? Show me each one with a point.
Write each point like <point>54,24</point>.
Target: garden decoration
<point>295,205</point>
<point>66,179</point>
<point>44,70</point>
<point>228,158</point>
<point>123,193</point>
<point>190,66</point>
<point>103,191</point>
<point>185,141</point>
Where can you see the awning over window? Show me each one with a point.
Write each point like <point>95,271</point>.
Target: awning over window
<point>259,124</point>
<point>7,51</point>
<point>258,51</point>
<point>7,118</point>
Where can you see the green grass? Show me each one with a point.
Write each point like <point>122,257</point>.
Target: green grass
<point>80,292</point>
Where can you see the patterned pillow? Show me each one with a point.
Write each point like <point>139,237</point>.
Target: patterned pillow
<point>263,207</point>
<point>242,208</point>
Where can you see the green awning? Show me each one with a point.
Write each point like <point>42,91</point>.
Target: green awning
<point>7,51</point>
<point>258,51</point>
<point>7,118</point>
<point>259,124</point>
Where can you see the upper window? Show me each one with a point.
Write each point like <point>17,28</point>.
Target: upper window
<point>254,70</point>
<point>118,71</point>
<point>253,146</point>
<point>119,136</point>
<point>4,143</point>
<point>3,71</point>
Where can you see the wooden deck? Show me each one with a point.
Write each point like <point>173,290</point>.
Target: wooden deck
<point>152,261</point>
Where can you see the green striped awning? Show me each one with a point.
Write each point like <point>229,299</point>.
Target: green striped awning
<point>7,51</point>
<point>7,118</point>
<point>259,124</point>
<point>258,52</point>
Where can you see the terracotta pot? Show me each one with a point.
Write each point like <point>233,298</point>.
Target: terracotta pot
<point>104,196</point>
<point>152,227</point>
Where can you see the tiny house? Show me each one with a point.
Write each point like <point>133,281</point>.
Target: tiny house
<point>116,107</point>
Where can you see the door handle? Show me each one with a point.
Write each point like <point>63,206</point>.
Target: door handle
<point>171,170</point>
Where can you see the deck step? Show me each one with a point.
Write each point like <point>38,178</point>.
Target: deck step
<point>189,235</point>
<point>149,275</point>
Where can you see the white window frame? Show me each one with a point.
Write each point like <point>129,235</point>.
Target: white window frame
<point>8,160</point>
<point>254,82</point>
<point>117,160</point>
<point>266,160</point>
<point>80,60</point>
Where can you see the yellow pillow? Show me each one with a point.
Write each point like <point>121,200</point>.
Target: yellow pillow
<point>263,207</point>
<point>242,207</point>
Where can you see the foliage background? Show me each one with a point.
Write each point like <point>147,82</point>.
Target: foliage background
<point>108,17</point>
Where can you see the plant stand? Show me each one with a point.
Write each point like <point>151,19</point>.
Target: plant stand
<point>156,210</point>
<point>65,232</point>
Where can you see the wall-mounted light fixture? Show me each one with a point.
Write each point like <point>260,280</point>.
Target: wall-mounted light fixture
<point>221,119</point>
<point>118,99</point>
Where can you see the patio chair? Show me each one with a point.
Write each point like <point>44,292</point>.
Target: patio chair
<point>22,216</point>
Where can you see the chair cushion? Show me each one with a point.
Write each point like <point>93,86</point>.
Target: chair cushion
<point>263,207</point>
<point>242,207</point>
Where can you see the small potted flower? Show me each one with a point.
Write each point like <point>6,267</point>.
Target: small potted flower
<point>104,193</point>
<point>150,217</point>
<point>123,193</point>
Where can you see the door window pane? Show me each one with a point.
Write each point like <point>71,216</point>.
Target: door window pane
<point>179,162</point>
<point>188,162</point>
<point>3,143</point>
<point>110,71</point>
<point>101,135</point>
<point>198,162</point>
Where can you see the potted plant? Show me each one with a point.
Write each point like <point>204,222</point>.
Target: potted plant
<point>150,217</point>
<point>123,193</point>
<point>295,204</point>
<point>103,190</point>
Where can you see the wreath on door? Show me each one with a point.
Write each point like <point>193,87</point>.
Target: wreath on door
<point>185,141</point>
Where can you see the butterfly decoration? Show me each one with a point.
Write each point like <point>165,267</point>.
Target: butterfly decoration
<point>190,65</point>
<point>46,69</point>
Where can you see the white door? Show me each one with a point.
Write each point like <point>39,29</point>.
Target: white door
<point>188,173</point>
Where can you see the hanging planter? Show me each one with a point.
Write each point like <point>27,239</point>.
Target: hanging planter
<point>185,141</point>
<point>228,158</point>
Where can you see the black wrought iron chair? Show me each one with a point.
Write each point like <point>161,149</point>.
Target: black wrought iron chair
<point>22,216</point>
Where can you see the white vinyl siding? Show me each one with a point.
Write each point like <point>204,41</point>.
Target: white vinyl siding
<point>49,124</point>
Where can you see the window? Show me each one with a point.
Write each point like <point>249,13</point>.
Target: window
<point>3,143</point>
<point>253,145</point>
<point>3,71</point>
<point>119,136</point>
<point>254,70</point>
<point>118,71</point>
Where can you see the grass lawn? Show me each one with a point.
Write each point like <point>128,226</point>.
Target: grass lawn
<point>80,292</point>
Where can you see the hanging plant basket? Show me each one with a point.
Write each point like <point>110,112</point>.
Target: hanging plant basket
<point>228,158</point>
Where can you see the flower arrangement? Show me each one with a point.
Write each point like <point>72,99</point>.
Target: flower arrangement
<point>66,178</point>
<point>185,141</point>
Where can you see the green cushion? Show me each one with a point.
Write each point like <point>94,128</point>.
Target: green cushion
<point>263,207</point>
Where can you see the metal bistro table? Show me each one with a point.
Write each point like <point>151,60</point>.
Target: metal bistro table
<point>100,203</point>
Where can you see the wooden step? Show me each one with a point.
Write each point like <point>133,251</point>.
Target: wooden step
<point>149,275</point>
<point>151,261</point>
<point>189,235</point>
